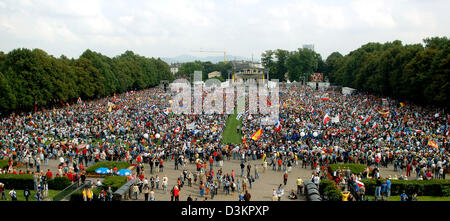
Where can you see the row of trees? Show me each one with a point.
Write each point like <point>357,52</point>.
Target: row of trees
<point>298,65</point>
<point>187,69</point>
<point>32,78</point>
<point>416,72</point>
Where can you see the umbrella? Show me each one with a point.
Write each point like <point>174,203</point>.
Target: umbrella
<point>102,170</point>
<point>123,172</point>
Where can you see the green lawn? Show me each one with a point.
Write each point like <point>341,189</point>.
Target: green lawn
<point>20,196</point>
<point>230,135</point>
<point>420,198</point>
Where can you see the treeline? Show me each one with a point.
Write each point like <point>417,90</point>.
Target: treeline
<point>418,73</point>
<point>31,78</point>
<point>187,69</point>
<point>292,65</point>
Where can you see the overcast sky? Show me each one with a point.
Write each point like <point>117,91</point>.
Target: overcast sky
<point>169,28</point>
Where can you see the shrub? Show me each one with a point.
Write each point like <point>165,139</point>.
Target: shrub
<point>58,183</point>
<point>107,164</point>
<point>17,181</point>
<point>421,187</point>
<point>115,182</point>
<point>4,164</point>
<point>324,184</point>
<point>334,195</point>
<point>330,188</point>
<point>355,168</point>
<point>446,191</point>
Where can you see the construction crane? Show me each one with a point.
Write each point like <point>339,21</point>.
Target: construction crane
<point>224,54</point>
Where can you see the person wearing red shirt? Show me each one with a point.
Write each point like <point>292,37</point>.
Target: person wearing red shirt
<point>176,193</point>
<point>49,174</point>
<point>20,172</point>
<point>141,176</point>
<point>139,159</point>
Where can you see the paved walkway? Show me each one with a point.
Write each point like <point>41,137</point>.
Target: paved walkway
<point>261,190</point>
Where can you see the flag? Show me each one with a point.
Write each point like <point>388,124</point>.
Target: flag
<point>402,104</point>
<point>110,109</point>
<point>277,126</point>
<point>335,119</point>
<point>268,102</point>
<point>166,111</point>
<point>355,129</point>
<point>326,119</point>
<point>375,125</point>
<point>244,141</point>
<point>325,98</point>
<point>367,119</point>
<point>177,130</point>
<point>257,135</point>
<point>153,107</point>
<point>431,143</point>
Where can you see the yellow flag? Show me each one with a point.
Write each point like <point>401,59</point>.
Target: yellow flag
<point>110,108</point>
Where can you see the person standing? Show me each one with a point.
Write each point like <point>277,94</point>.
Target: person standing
<point>146,190</point>
<point>247,196</point>
<point>2,192</point>
<point>299,186</point>
<point>109,194</point>
<point>13,195</point>
<point>176,193</point>
<point>378,189</point>
<point>26,194</point>
<point>285,177</point>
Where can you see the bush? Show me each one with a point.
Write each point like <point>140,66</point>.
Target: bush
<point>446,191</point>
<point>17,181</point>
<point>421,187</point>
<point>330,188</point>
<point>115,182</point>
<point>334,195</point>
<point>58,183</point>
<point>355,168</point>
<point>4,164</point>
<point>107,164</point>
<point>324,184</point>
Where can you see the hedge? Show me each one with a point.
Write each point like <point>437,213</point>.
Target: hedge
<point>107,164</point>
<point>59,183</point>
<point>355,168</point>
<point>16,181</point>
<point>4,164</point>
<point>421,187</point>
<point>115,182</point>
<point>330,188</point>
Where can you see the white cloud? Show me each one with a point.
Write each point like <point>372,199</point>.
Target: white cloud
<point>173,27</point>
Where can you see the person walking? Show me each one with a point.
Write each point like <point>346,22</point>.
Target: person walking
<point>285,177</point>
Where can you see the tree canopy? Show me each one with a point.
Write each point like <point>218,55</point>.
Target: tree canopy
<point>32,78</point>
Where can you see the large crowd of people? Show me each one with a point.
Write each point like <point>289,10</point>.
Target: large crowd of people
<point>318,127</point>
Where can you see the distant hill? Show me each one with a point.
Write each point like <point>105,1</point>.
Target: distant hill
<point>191,58</point>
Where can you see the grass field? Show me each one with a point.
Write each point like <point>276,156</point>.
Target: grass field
<point>230,134</point>
<point>20,196</point>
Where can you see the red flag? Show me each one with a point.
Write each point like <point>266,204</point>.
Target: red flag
<point>326,119</point>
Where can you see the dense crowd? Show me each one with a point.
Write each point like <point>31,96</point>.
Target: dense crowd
<point>139,127</point>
